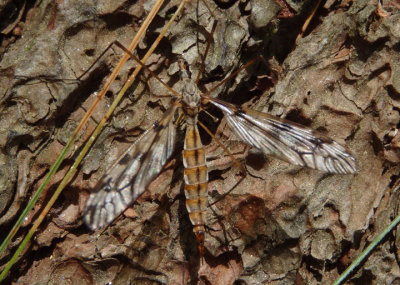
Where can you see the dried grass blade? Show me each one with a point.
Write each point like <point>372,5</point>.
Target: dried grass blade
<point>89,143</point>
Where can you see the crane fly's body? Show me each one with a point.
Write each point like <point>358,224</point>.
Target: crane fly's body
<point>194,161</point>
<point>144,160</point>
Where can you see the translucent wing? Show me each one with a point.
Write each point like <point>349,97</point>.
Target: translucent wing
<point>288,141</point>
<point>130,176</point>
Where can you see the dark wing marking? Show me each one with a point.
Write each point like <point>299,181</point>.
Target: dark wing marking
<point>288,141</point>
<point>132,173</point>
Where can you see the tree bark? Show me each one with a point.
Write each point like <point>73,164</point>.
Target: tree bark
<point>281,224</point>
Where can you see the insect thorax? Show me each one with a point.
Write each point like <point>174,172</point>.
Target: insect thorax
<point>191,99</point>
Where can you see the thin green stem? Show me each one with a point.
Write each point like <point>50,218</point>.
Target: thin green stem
<point>367,251</point>
<point>66,149</point>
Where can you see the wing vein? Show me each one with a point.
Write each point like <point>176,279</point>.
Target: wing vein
<point>129,177</point>
<point>286,140</point>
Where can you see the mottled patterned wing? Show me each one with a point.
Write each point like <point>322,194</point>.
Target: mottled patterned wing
<point>130,176</point>
<point>288,141</point>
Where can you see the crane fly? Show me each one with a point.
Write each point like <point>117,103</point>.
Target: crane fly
<point>130,175</point>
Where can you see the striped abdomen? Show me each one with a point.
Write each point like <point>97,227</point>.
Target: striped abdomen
<point>196,182</point>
